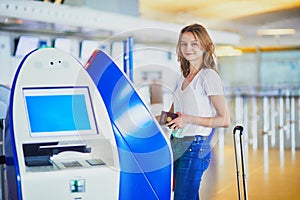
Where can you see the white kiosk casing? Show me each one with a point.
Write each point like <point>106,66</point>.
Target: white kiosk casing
<point>84,161</point>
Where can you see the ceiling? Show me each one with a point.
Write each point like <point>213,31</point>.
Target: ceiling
<point>243,17</point>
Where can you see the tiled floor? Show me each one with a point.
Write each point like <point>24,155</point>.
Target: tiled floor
<point>277,177</point>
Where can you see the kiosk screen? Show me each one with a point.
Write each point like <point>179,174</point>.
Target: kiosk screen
<point>59,111</point>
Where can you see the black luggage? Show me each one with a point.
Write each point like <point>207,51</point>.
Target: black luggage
<point>242,163</point>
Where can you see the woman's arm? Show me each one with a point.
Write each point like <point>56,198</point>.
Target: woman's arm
<point>222,118</point>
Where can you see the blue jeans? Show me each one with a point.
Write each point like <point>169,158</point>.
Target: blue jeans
<point>191,159</point>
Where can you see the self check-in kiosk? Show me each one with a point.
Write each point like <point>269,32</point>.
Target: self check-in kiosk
<point>82,133</point>
<point>59,142</point>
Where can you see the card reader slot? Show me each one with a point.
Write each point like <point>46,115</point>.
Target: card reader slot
<point>34,156</point>
<point>56,149</point>
<point>37,161</point>
<point>39,154</point>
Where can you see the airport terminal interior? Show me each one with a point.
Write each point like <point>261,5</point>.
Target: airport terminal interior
<point>118,60</point>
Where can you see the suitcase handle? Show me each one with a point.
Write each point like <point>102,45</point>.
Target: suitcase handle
<point>238,127</point>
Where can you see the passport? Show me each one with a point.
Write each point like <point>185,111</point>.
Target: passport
<point>166,117</point>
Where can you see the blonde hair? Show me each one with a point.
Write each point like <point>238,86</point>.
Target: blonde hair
<point>201,34</point>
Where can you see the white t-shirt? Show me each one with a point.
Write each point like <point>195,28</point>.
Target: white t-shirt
<point>194,100</point>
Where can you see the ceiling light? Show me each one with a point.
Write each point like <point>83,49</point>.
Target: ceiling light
<point>287,31</point>
<point>10,21</point>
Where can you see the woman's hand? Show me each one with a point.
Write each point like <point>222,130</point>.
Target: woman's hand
<point>178,122</point>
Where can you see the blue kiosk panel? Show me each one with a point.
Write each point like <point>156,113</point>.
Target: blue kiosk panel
<point>145,156</point>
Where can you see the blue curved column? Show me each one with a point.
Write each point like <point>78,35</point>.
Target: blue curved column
<point>145,157</point>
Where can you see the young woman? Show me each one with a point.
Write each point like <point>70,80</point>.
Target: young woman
<point>201,107</point>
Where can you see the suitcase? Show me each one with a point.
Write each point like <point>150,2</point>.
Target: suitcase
<point>242,162</point>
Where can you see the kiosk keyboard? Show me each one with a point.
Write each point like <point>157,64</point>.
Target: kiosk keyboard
<point>72,164</point>
<point>95,162</point>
